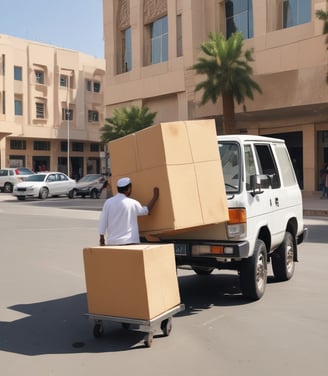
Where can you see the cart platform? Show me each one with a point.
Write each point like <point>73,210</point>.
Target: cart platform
<point>164,320</point>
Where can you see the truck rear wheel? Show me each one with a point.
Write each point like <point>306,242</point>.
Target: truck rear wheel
<point>283,265</point>
<point>253,272</point>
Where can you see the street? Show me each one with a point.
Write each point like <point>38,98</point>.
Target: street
<point>44,330</point>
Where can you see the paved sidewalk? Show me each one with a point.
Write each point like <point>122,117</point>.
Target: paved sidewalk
<point>313,205</point>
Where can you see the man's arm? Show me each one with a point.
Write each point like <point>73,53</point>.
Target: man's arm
<point>153,200</point>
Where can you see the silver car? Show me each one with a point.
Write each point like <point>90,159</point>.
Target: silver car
<point>43,185</point>
<point>90,185</point>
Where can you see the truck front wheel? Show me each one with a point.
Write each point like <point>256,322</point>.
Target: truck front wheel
<point>283,265</point>
<point>253,272</point>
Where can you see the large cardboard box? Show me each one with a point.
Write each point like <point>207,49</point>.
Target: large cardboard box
<point>183,160</point>
<point>135,281</point>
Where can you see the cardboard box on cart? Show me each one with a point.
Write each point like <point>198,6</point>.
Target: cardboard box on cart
<point>182,159</point>
<point>135,281</point>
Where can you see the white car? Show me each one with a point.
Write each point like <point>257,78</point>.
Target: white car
<point>43,185</point>
<point>11,176</point>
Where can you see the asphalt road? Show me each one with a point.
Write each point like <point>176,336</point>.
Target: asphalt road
<point>44,330</point>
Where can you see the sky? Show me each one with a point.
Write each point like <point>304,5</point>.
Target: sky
<point>72,24</point>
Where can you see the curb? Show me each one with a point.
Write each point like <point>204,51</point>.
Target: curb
<point>315,213</point>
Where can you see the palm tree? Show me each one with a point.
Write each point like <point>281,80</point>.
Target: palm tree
<point>228,74</point>
<point>126,120</point>
<point>323,16</point>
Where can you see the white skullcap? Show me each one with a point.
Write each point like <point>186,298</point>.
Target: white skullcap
<point>123,182</point>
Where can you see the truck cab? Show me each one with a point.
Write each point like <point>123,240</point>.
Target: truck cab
<point>265,216</point>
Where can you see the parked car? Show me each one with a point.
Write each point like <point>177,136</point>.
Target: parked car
<point>43,185</point>
<point>11,176</point>
<point>90,185</point>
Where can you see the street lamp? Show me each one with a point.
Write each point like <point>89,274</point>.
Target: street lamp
<point>67,120</point>
<point>68,114</point>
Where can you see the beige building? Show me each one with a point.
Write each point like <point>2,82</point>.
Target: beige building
<point>50,98</point>
<point>150,46</point>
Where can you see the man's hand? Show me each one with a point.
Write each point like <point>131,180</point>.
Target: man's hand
<point>102,240</point>
<point>156,193</point>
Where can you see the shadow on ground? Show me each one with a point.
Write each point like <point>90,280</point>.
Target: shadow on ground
<point>61,326</point>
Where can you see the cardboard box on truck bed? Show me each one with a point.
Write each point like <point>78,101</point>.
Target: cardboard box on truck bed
<point>183,160</point>
<point>135,281</point>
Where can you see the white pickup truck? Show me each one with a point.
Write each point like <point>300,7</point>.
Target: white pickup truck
<point>265,216</point>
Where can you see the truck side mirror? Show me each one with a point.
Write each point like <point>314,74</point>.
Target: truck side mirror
<point>256,183</point>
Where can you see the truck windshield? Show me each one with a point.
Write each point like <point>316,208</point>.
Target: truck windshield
<point>230,159</point>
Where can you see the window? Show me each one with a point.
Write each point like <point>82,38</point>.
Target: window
<point>159,41</point>
<point>40,110</point>
<point>89,85</point>
<point>239,17</point>
<point>296,12</point>
<point>18,75</point>
<point>77,146</point>
<point>18,106</point>
<point>67,114</point>
<point>249,165</point>
<point>63,146</point>
<point>94,147</point>
<point>18,144</point>
<point>63,80</point>
<point>267,164</point>
<point>41,145</point>
<point>179,35</point>
<point>39,77</point>
<point>127,50</point>
<point>96,87</point>
<point>93,116</point>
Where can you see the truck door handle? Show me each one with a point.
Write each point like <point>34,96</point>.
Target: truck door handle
<point>276,201</point>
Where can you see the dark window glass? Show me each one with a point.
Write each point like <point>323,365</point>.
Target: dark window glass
<point>41,145</point>
<point>296,12</point>
<point>94,147</point>
<point>159,40</point>
<point>239,17</point>
<point>18,107</point>
<point>77,146</point>
<point>18,144</point>
<point>18,75</point>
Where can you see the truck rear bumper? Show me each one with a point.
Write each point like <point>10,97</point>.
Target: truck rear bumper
<point>230,250</point>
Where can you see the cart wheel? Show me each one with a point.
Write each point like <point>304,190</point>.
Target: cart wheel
<point>98,330</point>
<point>166,326</point>
<point>148,340</point>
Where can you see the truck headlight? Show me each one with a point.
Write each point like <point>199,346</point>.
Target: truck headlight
<point>236,226</point>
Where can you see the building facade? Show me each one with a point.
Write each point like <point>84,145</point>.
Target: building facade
<point>51,108</point>
<point>150,46</point>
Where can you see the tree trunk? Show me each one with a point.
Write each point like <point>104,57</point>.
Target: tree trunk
<point>229,119</point>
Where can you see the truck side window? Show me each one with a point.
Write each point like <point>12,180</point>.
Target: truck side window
<point>267,164</point>
<point>249,165</point>
<point>287,171</point>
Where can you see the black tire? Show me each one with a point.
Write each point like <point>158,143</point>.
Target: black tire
<point>148,340</point>
<point>98,330</point>
<point>44,193</point>
<point>8,187</point>
<point>253,273</point>
<point>202,270</point>
<point>283,264</point>
<point>166,326</point>
<point>94,194</point>
<point>72,193</point>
